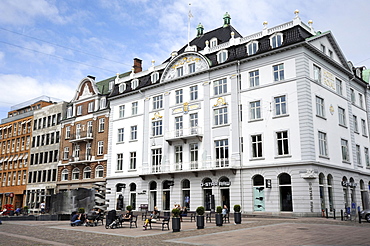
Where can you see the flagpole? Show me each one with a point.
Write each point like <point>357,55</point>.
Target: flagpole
<point>189,17</point>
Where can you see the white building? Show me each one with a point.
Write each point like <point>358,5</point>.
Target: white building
<point>275,121</point>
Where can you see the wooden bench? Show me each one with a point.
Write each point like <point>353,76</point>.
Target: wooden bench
<point>165,222</point>
<point>189,214</point>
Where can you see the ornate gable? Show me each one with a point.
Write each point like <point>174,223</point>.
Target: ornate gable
<point>86,89</point>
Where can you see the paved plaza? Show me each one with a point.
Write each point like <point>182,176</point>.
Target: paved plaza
<point>252,231</point>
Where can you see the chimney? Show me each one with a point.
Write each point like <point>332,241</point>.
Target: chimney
<point>137,65</point>
<point>91,77</point>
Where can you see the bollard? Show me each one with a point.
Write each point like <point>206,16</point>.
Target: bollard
<point>341,214</point>
<point>327,214</point>
<point>334,213</point>
<point>359,217</point>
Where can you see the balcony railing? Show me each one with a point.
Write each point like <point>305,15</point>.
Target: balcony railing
<point>184,134</point>
<point>82,136</point>
<point>81,159</point>
<point>189,166</point>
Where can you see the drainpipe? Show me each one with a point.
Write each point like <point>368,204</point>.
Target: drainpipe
<point>238,79</point>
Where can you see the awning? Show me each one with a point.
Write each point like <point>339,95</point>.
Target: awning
<point>6,158</point>
<point>28,121</point>
<point>2,159</point>
<point>11,158</point>
<point>23,122</point>
<point>15,158</point>
<point>20,157</point>
<point>25,156</point>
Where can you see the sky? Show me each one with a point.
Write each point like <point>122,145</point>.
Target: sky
<point>48,46</point>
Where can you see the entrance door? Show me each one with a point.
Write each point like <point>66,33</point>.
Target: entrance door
<point>153,200</point>
<point>208,199</point>
<point>259,198</point>
<point>225,196</point>
<point>286,198</point>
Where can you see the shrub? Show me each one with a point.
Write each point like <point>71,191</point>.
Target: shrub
<point>236,208</point>
<point>219,209</point>
<point>129,208</point>
<point>200,210</point>
<point>175,212</point>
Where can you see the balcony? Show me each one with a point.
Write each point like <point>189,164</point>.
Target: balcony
<point>82,159</point>
<point>194,167</point>
<point>184,134</point>
<point>81,137</point>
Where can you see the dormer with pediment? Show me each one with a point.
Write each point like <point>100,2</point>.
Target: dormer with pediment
<point>185,64</point>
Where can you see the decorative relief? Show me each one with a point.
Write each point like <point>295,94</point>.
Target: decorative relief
<point>206,83</point>
<point>331,109</point>
<point>185,108</point>
<point>220,102</point>
<point>157,116</point>
<point>309,174</point>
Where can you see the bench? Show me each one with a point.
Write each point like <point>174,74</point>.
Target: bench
<point>164,223</point>
<point>144,215</point>
<point>189,214</point>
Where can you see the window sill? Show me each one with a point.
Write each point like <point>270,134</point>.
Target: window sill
<point>255,120</point>
<point>324,157</point>
<point>343,126</point>
<point>119,171</point>
<point>356,132</point>
<point>133,140</point>
<point>280,116</point>
<point>120,142</point>
<point>257,159</point>
<point>365,136</point>
<point>282,156</point>
<point>321,117</point>
<point>346,162</point>
<point>132,170</point>
<point>218,126</point>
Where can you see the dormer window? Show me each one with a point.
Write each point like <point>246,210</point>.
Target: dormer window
<point>222,56</point>
<point>154,77</point>
<point>122,87</point>
<point>111,83</point>
<point>180,71</point>
<point>276,40</point>
<point>213,42</point>
<point>134,84</point>
<point>252,47</point>
<point>102,103</point>
<point>69,112</point>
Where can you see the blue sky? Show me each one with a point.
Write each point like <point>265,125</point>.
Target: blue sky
<point>47,46</point>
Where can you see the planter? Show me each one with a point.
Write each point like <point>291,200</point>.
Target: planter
<point>219,219</point>
<point>238,218</point>
<point>200,221</point>
<point>176,224</point>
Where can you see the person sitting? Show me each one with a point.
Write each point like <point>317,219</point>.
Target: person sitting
<point>76,219</point>
<point>153,218</point>
<point>18,211</point>
<point>127,216</point>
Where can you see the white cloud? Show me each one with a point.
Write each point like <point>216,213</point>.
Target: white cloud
<point>19,12</point>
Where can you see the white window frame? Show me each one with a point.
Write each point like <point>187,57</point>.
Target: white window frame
<point>157,102</point>
<point>254,78</point>
<point>344,150</point>
<point>220,86</point>
<point>157,127</point>
<point>101,124</point>
<point>339,86</point>
<point>282,143</point>
<point>134,108</point>
<point>276,40</point>
<point>323,144</point>
<point>120,135</point>
<point>64,175</point>
<point>121,111</point>
<point>193,92</point>
<point>156,160</point>
<point>76,173</point>
<point>68,132</point>
<point>358,155</point>
<point>342,116</point>
<point>121,87</point>
<point>99,170</point>
<point>87,173</point>
<point>222,152</point>
<point>90,107</point>
<point>220,116</point>
<point>103,103</point>
<point>364,127</point>
<point>222,56</point>
<point>154,77</point>
<point>252,47</point>
<point>134,84</point>
<point>119,161</point>
<point>133,133</point>
<point>180,71</point>
<point>213,42</point>
<point>179,96</point>
<point>367,158</point>
<point>133,159</point>
<point>320,107</point>
<point>355,123</point>
<point>256,146</point>
<point>100,148</point>
<point>191,67</point>
<point>79,110</point>
<point>280,106</point>
<point>255,110</point>
<point>278,72</point>
<point>66,153</point>
<point>317,73</point>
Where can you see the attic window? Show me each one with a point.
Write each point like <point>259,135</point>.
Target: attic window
<point>111,83</point>
<point>213,42</point>
<point>103,103</point>
<point>180,71</point>
<point>134,84</point>
<point>154,77</point>
<point>252,47</point>
<point>276,40</point>
<point>122,87</point>
<point>222,56</point>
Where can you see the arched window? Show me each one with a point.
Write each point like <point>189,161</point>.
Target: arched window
<point>222,56</point>
<point>133,195</point>
<point>99,171</point>
<point>75,173</point>
<point>87,172</point>
<point>154,77</point>
<point>276,40</point>
<point>64,175</point>
<point>185,185</point>
<point>330,191</point>
<point>122,87</point>
<point>134,84</point>
<point>258,193</point>
<point>252,47</point>
<point>322,190</point>
<point>286,201</point>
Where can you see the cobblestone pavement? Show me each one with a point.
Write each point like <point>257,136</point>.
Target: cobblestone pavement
<point>252,231</point>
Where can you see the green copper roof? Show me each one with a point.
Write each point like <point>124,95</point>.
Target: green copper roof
<point>366,75</point>
<point>103,86</point>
